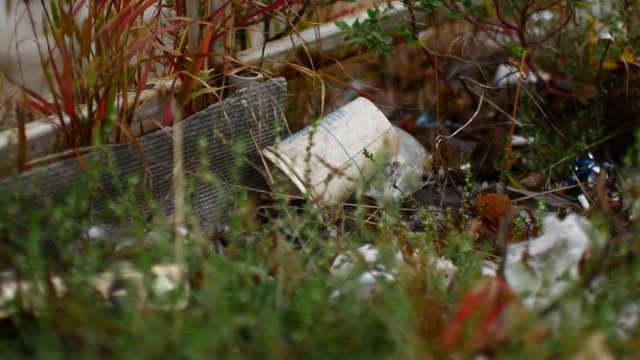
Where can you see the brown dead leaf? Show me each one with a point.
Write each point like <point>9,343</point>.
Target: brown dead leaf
<point>531,180</point>
<point>493,208</point>
<point>476,227</point>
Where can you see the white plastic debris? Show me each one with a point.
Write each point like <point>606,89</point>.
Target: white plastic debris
<point>96,233</point>
<point>403,174</point>
<point>365,281</point>
<point>605,35</point>
<point>444,266</point>
<point>15,293</point>
<point>169,288</point>
<point>344,263</point>
<point>167,277</point>
<point>365,284</point>
<point>628,320</point>
<point>489,269</point>
<point>507,76</point>
<point>519,140</point>
<point>543,16</point>
<point>584,202</point>
<point>542,269</point>
<point>368,282</point>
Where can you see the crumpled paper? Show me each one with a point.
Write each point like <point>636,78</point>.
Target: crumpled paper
<point>542,269</point>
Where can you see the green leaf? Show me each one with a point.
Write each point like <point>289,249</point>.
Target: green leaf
<point>112,108</point>
<point>428,5</point>
<point>90,74</point>
<point>455,15</point>
<point>342,26</point>
<point>515,49</point>
<point>368,32</point>
<point>55,14</point>
<point>406,32</point>
<point>582,4</point>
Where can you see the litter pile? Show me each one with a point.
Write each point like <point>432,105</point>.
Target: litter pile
<point>465,188</point>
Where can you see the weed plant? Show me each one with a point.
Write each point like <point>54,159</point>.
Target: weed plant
<point>263,286</point>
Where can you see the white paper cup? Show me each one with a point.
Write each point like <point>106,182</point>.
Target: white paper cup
<point>328,160</point>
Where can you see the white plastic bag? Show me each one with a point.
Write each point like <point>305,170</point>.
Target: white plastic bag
<point>403,174</point>
<point>542,269</point>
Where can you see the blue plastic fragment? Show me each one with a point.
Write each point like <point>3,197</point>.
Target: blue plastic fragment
<point>427,120</point>
<point>586,170</point>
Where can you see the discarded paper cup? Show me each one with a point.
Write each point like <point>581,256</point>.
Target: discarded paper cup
<point>328,160</point>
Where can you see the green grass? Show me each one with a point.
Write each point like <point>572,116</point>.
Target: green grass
<point>272,295</point>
